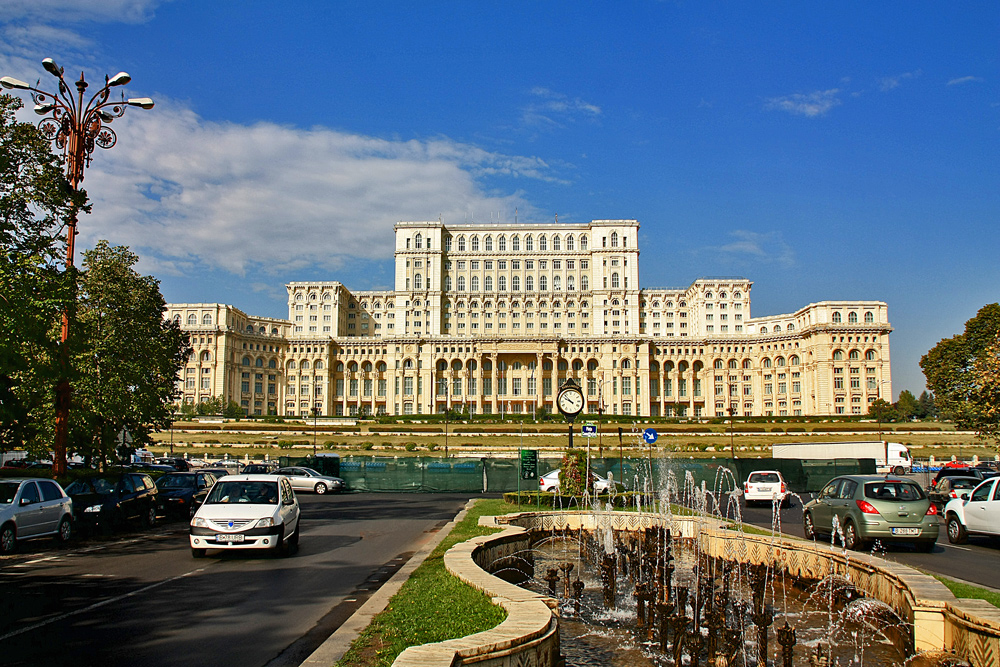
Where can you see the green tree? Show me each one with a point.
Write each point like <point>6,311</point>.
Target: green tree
<point>958,372</point>
<point>35,200</point>
<point>928,410</point>
<point>233,410</point>
<point>907,406</point>
<point>883,411</point>
<point>127,356</point>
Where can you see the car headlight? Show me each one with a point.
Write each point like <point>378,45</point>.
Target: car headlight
<point>94,508</point>
<point>199,522</point>
<point>266,522</point>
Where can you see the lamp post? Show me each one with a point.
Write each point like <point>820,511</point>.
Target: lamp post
<point>75,128</point>
<point>315,412</point>
<point>732,445</point>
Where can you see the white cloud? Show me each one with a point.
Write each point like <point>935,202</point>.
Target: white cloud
<point>554,109</point>
<point>185,193</point>
<point>74,11</point>
<point>964,79</point>
<point>753,247</point>
<point>806,104</point>
<point>889,82</point>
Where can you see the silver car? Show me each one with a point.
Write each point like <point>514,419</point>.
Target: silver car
<point>307,479</point>
<point>31,508</point>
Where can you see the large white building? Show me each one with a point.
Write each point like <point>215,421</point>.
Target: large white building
<point>493,319</point>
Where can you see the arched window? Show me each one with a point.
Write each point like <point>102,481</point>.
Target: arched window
<point>259,362</point>
<point>591,365</point>
<point>461,283</point>
<point>249,328</point>
<point>543,244</point>
<point>569,284</point>
<point>272,363</point>
<point>489,244</point>
<point>515,283</point>
<point>475,283</point>
<point>556,284</point>
<point>777,328</point>
<point>732,364</point>
<point>790,327</point>
<point>793,360</point>
<point>381,367</point>
<point>408,364</point>
<point>615,281</point>
<point>854,355</point>
<point>340,366</point>
<point>838,355</point>
<point>529,283</point>
<point>489,283</point>
<point>418,281</point>
<point>246,361</point>
<point>447,243</point>
<point>584,282</point>
<point>461,244</point>
<point>318,365</point>
<point>206,356</point>
<point>746,364</point>
<point>502,244</point>
<point>442,365</point>
<point>836,318</point>
<point>529,243</point>
<point>870,355</point>
<point>869,317</point>
<point>780,361</point>
<point>543,283</point>
<point>515,243</point>
<point>556,243</point>
<point>305,365</point>
<point>291,364</point>
<point>583,243</point>
<point>502,283</point>
<point>206,319</point>
<point>367,367</point>
<point>352,366</point>
<point>852,317</point>
<point>569,242</point>
<point>767,363</point>
<point>192,319</point>
<point>475,244</point>
<point>447,283</point>
<point>418,241</point>
<point>472,365</point>
<point>614,239</point>
<point>718,363</point>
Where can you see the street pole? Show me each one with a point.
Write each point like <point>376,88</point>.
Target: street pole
<point>76,129</point>
<point>315,412</point>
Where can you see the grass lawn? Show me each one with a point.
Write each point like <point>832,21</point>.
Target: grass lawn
<point>963,590</point>
<point>432,605</point>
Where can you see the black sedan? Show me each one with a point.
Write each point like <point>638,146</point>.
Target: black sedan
<point>181,493</point>
<point>107,501</point>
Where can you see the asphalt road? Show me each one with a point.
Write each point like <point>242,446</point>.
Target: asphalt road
<point>975,562</point>
<point>142,599</point>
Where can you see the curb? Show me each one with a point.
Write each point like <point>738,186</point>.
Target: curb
<point>334,648</point>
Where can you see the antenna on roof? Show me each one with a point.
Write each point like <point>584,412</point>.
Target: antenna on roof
<point>557,218</point>
<point>515,215</point>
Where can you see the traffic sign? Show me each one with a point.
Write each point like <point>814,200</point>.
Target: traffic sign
<point>589,430</point>
<point>529,464</point>
<point>650,435</point>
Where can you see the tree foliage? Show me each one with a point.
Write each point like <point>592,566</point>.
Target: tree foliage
<point>963,372</point>
<point>127,356</point>
<point>35,203</point>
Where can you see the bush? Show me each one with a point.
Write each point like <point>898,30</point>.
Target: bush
<point>285,444</point>
<point>368,445</point>
<point>410,446</point>
<point>211,441</point>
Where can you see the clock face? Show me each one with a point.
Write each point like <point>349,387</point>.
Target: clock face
<point>570,402</point>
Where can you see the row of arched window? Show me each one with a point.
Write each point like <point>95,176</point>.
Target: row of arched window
<point>515,283</point>
<point>529,242</point>
<point>854,355</point>
<point>852,317</point>
<point>502,305</point>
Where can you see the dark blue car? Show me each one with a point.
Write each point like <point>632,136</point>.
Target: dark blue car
<point>181,493</point>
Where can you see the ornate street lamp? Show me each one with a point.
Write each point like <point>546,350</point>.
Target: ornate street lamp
<point>76,129</point>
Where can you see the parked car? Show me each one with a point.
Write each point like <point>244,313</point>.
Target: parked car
<point>260,468</point>
<point>218,472</point>
<point>307,479</point>
<point>951,487</point>
<point>955,472</point>
<point>766,486</point>
<point>987,466</point>
<point>870,507</point>
<point>32,508</point>
<point>975,513</point>
<point>106,501</point>
<point>247,512</point>
<point>549,482</point>
<point>181,493</point>
<point>178,464</point>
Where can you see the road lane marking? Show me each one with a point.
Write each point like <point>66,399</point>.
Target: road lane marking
<point>96,605</point>
<point>952,546</point>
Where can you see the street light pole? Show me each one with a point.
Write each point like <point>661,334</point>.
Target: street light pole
<point>76,129</point>
<point>315,412</point>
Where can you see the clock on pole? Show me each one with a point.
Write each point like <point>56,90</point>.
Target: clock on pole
<point>570,403</point>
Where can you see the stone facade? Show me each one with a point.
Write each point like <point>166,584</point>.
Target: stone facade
<point>492,319</point>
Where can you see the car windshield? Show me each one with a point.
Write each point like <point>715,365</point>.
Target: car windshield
<point>176,482</point>
<point>894,491</point>
<point>260,493</point>
<point>7,492</point>
<point>764,478</point>
<point>99,485</point>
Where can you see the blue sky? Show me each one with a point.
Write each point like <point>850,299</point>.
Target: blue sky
<point>826,151</point>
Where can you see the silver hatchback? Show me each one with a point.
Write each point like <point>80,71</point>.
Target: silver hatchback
<point>34,507</point>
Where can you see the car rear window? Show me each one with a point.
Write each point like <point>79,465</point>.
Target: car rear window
<point>893,490</point>
<point>964,483</point>
<point>764,478</point>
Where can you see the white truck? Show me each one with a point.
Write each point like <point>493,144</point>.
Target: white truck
<point>889,456</point>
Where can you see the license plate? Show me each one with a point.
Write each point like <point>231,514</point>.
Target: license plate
<point>905,531</point>
<point>230,539</point>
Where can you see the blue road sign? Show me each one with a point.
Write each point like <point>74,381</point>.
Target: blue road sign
<point>589,430</point>
<point>650,435</point>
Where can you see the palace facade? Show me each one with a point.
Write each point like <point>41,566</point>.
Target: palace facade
<point>492,319</point>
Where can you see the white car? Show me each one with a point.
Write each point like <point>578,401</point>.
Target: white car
<point>766,486</point>
<point>975,513</point>
<point>247,512</point>
<point>33,508</point>
<point>549,482</point>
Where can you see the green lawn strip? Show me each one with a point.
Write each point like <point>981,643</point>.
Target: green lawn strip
<point>432,605</point>
<point>963,590</point>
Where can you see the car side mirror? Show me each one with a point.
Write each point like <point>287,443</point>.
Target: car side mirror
<point>965,496</point>
<point>26,501</point>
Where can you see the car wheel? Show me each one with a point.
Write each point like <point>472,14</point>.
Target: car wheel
<point>149,518</point>
<point>65,529</point>
<point>320,488</point>
<point>851,538</point>
<point>8,539</point>
<point>898,470</point>
<point>197,553</point>
<point>956,531</point>
<point>807,526</point>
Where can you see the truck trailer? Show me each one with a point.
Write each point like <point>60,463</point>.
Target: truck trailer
<point>889,456</point>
